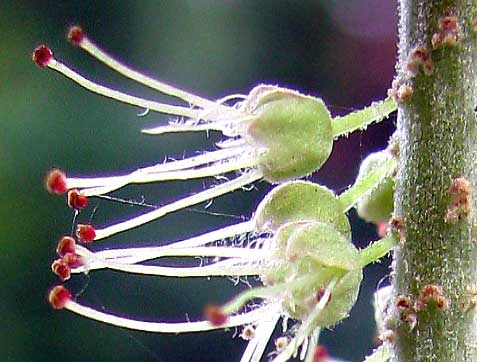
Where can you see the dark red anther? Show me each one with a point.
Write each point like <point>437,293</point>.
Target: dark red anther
<point>321,354</point>
<point>55,182</point>
<point>320,293</point>
<point>60,268</point>
<point>42,55</point>
<point>76,200</point>
<point>75,35</point>
<point>73,260</point>
<point>85,233</point>
<point>59,296</point>
<point>66,245</point>
<point>215,315</point>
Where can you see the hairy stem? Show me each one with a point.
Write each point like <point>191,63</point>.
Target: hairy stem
<point>437,127</point>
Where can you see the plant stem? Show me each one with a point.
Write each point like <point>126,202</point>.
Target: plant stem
<point>437,131</point>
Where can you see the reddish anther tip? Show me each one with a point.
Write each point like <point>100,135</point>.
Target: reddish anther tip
<point>42,55</point>
<point>76,200</point>
<point>59,296</point>
<point>85,233</point>
<point>60,268</point>
<point>382,228</point>
<point>75,35</point>
<point>320,293</point>
<point>56,182</point>
<point>215,315</point>
<point>66,245</point>
<point>321,354</point>
<point>73,260</point>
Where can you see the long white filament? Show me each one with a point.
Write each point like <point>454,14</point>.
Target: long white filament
<point>245,179</point>
<point>120,96</point>
<point>147,253</point>
<point>307,327</point>
<point>234,268</point>
<point>99,54</point>
<point>163,327</point>
<point>215,169</point>
<point>265,328</point>
<point>134,176</point>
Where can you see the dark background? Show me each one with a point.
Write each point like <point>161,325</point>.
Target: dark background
<point>342,51</point>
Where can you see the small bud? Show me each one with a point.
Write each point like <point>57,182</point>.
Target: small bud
<point>42,55</point>
<point>459,200</point>
<point>432,294</point>
<point>397,225</point>
<point>55,182</point>
<point>76,200</point>
<point>403,302</point>
<point>315,248</point>
<point>215,315</point>
<point>66,245</point>
<point>420,58</point>
<point>378,204</point>
<point>300,200</point>
<point>400,92</point>
<point>448,33</point>
<point>59,296</point>
<point>294,130</point>
<point>85,233</point>
<point>60,268</point>
<point>75,35</point>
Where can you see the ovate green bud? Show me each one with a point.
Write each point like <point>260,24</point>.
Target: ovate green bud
<point>300,201</point>
<point>378,204</point>
<point>308,256</point>
<point>294,131</point>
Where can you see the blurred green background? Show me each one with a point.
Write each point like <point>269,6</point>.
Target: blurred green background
<point>342,51</point>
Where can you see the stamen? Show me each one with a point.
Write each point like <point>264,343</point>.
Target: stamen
<point>77,200</point>
<point>55,182</point>
<point>137,255</point>
<point>215,315</point>
<point>115,182</point>
<point>184,127</point>
<point>162,327</point>
<point>42,55</point>
<point>256,347</point>
<point>59,297</point>
<point>60,268</point>
<point>231,267</point>
<point>66,245</point>
<point>307,327</point>
<point>85,233</point>
<point>119,96</point>
<point>218,168</point>
<point>221,189</point>
<point>84,43</point>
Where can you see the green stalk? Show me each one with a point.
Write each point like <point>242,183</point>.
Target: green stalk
<point>438,130</point>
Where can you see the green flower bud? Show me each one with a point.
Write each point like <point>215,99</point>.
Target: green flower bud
<point>317,253</point>
<point>301,201</point>
<point>294,131</point>
<point>378,204</point>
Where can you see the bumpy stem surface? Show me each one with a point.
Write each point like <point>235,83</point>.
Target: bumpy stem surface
<point>438,131</point>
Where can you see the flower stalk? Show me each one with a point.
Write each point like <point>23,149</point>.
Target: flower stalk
<point>438,129</point>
